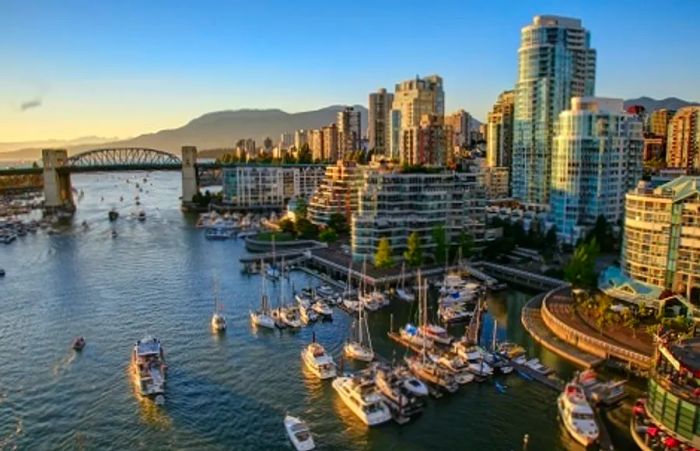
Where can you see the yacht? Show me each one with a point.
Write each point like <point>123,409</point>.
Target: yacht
<point>148,369</point>
<point>409,382</point>
<point>362,398</point>
<point>299,433</point>
<point>316,359</point>
<point>359,347</point>
<point>577,414</point>
<point>263,317</point>
<point>404,402</point>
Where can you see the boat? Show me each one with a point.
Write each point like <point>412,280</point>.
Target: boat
<point>403,293</point>
<point>457,366</point>
<point>149,369</point>
<point>318,361</point>
<point>289,315</point>
<point>537,366</point>
<point>271,270</point>
<point>218,320</point>
<point>403,402</point>
<point>410,382</point>
<point>2,272</point>
<point>501,388</point>
<point>263,317</point>
<point>325,290</point>
<point>363,399</point>
<point>113,215</point>
<point>78,343</point>
<point>435,334</point>
<point>322,309</point>
<point>577,415</point>
<point>351,305</point>
<point>373,300</point>
<point>114,234</point>
<point>216,233</point>
<point>299,433</point>
<point>307,314</point>
<point>607,393</point>
<point>359,347</point>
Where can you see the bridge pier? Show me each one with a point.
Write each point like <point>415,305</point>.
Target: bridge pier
<point>57,185</point>
<point>189,173</point>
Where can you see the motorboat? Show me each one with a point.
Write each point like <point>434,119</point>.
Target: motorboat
<point>325,290</point>
<point>429,371</point>
<point>537,366</point>
<point>511,351</point>
<point>78,343</point>
<point>291,317</point>
<point>458,367</point>
<point>351,304</point>
<point>272,272</point>
<point>299,433</point>
<point>435,333</point>
<point>113,215</point>
<point>318,361</point>
<point>403,402</point>
<point>114,234</point>
<point>454,313</point>
<point>411,383</point>
<point>363,399</point>
<point>602,392</point>
<point>218,322</point>
<point>307,314</point>
<point>372,301</point>
<point>322,309</point>
<point>577,415</point>
<point>216,233</point>
<point>149,369</point>
<point>405,294</point>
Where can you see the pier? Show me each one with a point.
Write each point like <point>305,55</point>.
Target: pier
<point>519,277</point>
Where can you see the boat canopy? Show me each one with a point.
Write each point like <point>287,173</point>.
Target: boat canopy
<point>148,346</point>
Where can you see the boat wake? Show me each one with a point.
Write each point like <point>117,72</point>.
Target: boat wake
<point>10,441</point>
<point>64,363</point>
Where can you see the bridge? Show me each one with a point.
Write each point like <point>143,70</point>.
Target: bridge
<point>57,168</point>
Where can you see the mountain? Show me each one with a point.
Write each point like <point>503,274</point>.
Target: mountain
<point>649,104</point>
<point>220,129</point>
<point>223,128</point>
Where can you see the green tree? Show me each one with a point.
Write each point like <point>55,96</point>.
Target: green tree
<point>305,156</point>
<point>300,210</point>
<point>287,225</point>
<point>603,233</point>
<point>306,229</point>
<point>383,258</point>
<point>580,270</point>
<point>466,244</point>
<point>328,235</point>
<point>339,223</point>
<point>413,254</point>
<point>440,240</point>
<point>288,158</point>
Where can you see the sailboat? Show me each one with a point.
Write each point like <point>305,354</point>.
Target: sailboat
<point>262,317</point>
<point>403,293</point>
<point>360,346</point>
<point>218,320</point>
<point>372,301</point>
<point>288,314</point>
<point>349,301</point>
<point>420,365</point>
<point>271,269</point>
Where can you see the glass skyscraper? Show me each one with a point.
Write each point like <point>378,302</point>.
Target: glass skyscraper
<point>555,63</point>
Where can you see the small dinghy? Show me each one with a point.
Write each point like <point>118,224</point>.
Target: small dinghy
<point>299,433</point>
<point>79,343</point>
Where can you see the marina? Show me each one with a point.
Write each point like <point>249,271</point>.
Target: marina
<point>160,278</point>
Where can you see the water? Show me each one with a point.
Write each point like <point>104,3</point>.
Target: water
<point>228,392</point>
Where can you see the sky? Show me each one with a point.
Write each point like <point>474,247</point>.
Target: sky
<point>118,69</point>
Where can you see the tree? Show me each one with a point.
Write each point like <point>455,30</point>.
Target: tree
<point>328,235</point>
<point>304,156</point>
<point>413,254</point>
<point>287,225</point>
<point>339,223</point>
<point>383,258</point>
<point>300,209</point>
<point>466,244</point>
<point>603,233</point>
<point>580,270</point>
<point>306,229</point>
<point>288,158</point>
<point>267,143</point>
<point>440,240</point>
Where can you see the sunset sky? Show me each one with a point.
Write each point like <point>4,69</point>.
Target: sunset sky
<point>119,69</point>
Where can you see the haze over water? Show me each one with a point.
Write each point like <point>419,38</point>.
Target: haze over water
<point>228,392</point>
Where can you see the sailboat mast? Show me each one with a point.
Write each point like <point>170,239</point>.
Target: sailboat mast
<point>493,339</point>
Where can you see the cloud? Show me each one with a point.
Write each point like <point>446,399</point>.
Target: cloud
<point>35,103</point>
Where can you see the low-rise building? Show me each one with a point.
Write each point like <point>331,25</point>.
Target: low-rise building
<point>336,192</point>
<point>267,186</point>
<point>393,204</point>
<point>661,241</point>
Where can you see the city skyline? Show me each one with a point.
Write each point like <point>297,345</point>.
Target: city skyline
<point>125,73</point>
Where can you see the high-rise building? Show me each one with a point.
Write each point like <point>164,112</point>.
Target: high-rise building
<point>660,242</point>
<point>286,141</point>
<point>300,138</point>
<point>654,148</point>
<point>430,148</point>
<point>596,159</point>
<point>413,99</point>
<point>330,143</point>
<point>261,186</point>
<point>555,63</point>
<point>349,131</point>
<point>659,120</point>
<point>683,141</point>
<point>316,144</point>
<point>458,122</point>
<point>499,134</point>
<point>378,129</point>
<point>394,135</point>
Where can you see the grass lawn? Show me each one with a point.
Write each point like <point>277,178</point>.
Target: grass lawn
<point>279,236</point>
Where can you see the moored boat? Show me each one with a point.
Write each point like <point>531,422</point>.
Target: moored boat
<point>363,399</point>
<point>263,317</point>
<point>577,415</point>
<point>359,347</point>
<point>318,361</point>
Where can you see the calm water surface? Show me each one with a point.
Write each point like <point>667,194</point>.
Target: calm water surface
<point>228,392</point>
